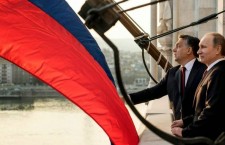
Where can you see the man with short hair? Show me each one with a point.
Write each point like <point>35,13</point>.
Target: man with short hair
<point>180,96</point>
<point>209,118</point>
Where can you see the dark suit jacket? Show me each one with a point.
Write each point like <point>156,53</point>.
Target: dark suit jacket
<point>169,85</point>
<point>209,119</point>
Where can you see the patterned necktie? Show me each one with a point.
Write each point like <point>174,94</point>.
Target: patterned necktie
<point>183,80</point>
<point>204,74</point>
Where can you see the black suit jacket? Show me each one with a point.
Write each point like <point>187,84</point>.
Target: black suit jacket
<point>169,85</point>
<point>209,118</point>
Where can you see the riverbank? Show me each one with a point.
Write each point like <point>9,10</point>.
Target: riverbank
<point>16,91</point>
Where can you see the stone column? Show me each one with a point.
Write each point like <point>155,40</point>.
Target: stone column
<point>202,9</point>
<point>165,24</point>
<point>221,17</point>
<point>175,25</point>
<point>153,65</point>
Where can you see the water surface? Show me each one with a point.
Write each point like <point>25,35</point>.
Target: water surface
<point>48,122</point>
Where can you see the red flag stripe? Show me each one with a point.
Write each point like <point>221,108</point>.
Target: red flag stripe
<point>37,43</point>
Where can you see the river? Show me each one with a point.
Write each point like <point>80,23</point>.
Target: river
<point>52,121</point>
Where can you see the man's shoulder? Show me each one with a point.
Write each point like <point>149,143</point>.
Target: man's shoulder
<point>200,64</point>
<point>220,66</point>
<point>222,63</point>
<point>217,71</point>
<point>173,69</point>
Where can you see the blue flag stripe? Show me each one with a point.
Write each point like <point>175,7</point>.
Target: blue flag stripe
<point>61,11</point>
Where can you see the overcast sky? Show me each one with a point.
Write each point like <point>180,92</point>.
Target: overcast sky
<point>141,16</point>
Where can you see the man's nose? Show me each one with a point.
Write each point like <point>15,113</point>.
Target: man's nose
<point>199,51</point>
<point>174,49</point>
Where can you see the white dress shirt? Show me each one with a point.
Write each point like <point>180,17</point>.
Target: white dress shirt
<point>188,67</point>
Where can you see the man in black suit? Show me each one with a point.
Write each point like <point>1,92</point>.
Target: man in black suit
<point>209,118</point>
<point>185,53</point>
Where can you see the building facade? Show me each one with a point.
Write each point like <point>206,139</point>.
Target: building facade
<point>174,14</point>
<point>5,72</point>
<point>12,74</point>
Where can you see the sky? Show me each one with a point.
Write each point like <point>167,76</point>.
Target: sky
<point>141,16</point>
<point>126,41</point>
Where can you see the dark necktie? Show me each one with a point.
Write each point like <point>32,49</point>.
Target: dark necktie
<point>183,80</point>
<point>204,74</point>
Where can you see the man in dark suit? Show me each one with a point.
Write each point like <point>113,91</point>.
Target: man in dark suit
<point>209,118</point>
<point>185,53</point>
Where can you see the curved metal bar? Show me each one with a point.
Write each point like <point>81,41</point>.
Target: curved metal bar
<point>162,62</point>
<point>203,20</point>
<point>143,58</point>
<point>170,138</point>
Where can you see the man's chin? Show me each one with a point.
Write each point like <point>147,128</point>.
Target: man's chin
<point>201,60</point>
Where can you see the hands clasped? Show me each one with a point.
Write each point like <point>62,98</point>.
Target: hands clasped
<point>176,127</point>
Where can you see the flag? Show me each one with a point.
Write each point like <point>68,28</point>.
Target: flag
<point>66,59</point>
<point>64,15</point>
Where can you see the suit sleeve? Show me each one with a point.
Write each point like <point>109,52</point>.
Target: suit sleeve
<point>210,121</point>
<point>155,92</point>
<point>187,120</point>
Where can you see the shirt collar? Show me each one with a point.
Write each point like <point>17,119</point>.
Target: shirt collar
<point>215,62</point>
<point>190,64</point>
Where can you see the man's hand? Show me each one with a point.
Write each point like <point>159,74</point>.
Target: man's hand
<point>177,123</point>
<point>177,131</point>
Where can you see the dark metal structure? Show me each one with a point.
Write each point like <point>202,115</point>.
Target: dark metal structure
<point>101,15</point>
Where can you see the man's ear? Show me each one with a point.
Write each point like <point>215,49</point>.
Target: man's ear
<point>218,49</point>
<point>190,50</point>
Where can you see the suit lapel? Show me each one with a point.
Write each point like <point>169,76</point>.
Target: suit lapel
<point>202,81</point>
<point>197,97</point>
<point>177,77</point>
<point>177,101</point>
<point>192,75</point>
